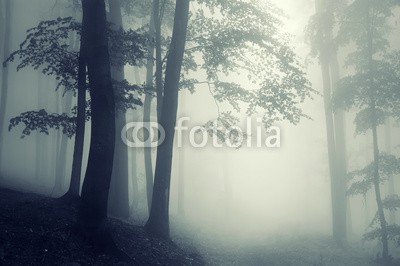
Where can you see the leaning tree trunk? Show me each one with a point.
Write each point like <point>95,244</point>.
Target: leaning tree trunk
<point>92,212</point>
<point>77,158</point>
<point>118,204</point>
<point>158,222</point>
<point>5,72</point>
<point>148,165</point>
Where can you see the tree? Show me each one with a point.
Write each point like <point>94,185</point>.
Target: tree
<point>119,190</point>
<point>221,42</point>
<point>319,33</point>
<point>93,209</point>
<point>158,221</point>
<point>46,47</point>
<point>373,90</point>
<point>147,110</point>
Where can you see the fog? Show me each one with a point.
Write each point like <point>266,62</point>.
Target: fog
<point>237,199</point>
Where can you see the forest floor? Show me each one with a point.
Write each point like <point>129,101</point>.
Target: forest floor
<point>36,230</point>
<point>226,247</point>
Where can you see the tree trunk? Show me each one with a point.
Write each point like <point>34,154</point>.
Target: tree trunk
<point>340,159</point>
<point>118,203</point>
<point>336,173</point>
<point>158,222</point>
<point>5,72</point>
<point>92,212</point>
<point>77,158</point>
<point>391,184</point>
<point>381,214</point>
<point>159,70</point>
<point>147,112</point>
<point>134,177</point>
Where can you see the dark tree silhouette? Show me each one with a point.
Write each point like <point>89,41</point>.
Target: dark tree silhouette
<point>158,222</point>
<point>92,212</point>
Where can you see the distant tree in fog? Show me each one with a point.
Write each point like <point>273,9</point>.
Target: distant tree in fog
<point>320,34</point>
<point>5,47</point>
<point>373,92</point>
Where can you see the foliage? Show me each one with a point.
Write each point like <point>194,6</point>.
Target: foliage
<point>381,84</point>
<point>391,203</point>
<point>373,91</point>
<point>323,24</point>
<point>233,37</point>
<point>47,47</point>
<point>393,233</point>
<point>362,180</point>
<point>43,121</point>
<point>222,125</point>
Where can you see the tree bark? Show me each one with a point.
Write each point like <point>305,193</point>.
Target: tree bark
<point>119,189</point>
<point>92,212</point>
<point>158,222</point>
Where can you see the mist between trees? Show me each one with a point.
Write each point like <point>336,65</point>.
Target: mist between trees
<point>249,131</point>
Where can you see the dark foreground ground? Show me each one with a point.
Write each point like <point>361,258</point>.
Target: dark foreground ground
<point>36,230</point>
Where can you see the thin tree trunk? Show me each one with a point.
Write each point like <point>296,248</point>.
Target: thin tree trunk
<point>92,212</point>
<point>159,71</point>
<point>148,165</point>
<point>134,177</point>
<point>5,73</point>
<point>77,158</point>
<point>382,220</point>
<point>381,214</point>
<point>158,222</point>
<point>391,184</point>
<point>119,189</point>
